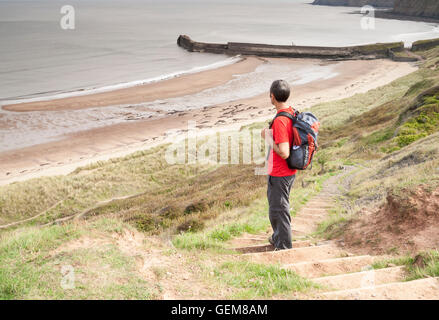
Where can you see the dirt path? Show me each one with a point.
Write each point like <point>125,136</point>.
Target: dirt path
<point>341,274</point>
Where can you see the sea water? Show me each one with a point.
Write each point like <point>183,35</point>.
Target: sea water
<point>122,43</point>
<point>127,42</point>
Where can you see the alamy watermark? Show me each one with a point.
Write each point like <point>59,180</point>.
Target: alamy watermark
<point>244,146</point>
<point>67,21</point>
<point>368,278</point>
<point>367,22</point>
<point>68,277</point>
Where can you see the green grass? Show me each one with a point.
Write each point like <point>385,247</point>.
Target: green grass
<point>31,267</point>
<point>158,196</point>
<point>379,136</point>
<point>390,133</point>
<point>429,268</point>
<point>397,261</point>
<point>252,220</point>
<point>259,280</point>
<point>103,272</point>
<point>338,117</point>
<point>228,232</point>
<point>428,264</point>
<point>22,258</point>
<point>421,125</point>
<point>332,227</point>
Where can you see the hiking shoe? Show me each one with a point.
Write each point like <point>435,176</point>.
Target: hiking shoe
<point>270,240</point>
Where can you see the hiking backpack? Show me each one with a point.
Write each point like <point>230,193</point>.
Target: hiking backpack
<point>305,132</point>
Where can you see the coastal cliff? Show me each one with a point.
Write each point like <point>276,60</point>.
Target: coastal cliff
<point>355,3</point>
<point>417,8</point>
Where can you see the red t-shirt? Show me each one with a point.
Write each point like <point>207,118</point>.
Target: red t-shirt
<point>282,132</point>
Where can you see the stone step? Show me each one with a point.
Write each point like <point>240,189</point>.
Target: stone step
<point>256,248</point>
<point>311,220</point>
<point>315,219</point>
<point>312,214</point>
<point>304,225</point>
<point>248,241</point>
<point>362,279</point>
<point>324,198</point>
<point>298,232</point>
<point>422,289</point>
<point>313,210</point>
<point>269,247</point>
<point>308,210</point>
<point>324,194</point>
<point>297,254</point>
<point>321,205</point>
<point>332,266</point>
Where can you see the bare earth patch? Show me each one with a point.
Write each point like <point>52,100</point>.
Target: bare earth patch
<point>407,222</point>
<point>171,274</point>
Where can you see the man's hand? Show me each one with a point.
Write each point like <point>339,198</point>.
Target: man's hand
<point>267,134</point>
<point>282,149</point>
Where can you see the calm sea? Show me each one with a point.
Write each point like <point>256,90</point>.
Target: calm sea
<point>131,41</point>
<point>117,43</point>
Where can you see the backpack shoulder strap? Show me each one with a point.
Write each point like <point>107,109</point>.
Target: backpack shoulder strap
<point>285,114</point>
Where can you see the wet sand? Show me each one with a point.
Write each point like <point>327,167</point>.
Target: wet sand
<point>81,148</point>
<point>175,87</point>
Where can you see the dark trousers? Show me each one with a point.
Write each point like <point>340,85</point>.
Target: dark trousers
<point>278,194</point>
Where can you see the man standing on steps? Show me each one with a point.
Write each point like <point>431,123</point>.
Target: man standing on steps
<point>280,177</point>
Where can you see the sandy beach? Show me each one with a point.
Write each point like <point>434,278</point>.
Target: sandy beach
<point>83,147</point>
<point>175,87</point>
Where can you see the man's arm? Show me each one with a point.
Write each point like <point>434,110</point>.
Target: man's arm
<point>282,149</point>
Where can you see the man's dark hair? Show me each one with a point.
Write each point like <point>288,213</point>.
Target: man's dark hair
<point>281,90</point>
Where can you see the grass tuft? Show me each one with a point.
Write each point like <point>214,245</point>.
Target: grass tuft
<point>259,280</point>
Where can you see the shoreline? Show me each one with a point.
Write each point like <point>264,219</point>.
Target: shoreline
<point>58,119</point>
<point>185,84</point>
<point>79,149</point>
<point>41,97</point>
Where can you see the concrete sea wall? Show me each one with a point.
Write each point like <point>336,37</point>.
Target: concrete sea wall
<point>373,51</point>
<point>355,3</point>
<point>425,44</point>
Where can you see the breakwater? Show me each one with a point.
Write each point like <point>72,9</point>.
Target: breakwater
<point>372,51</point>
<point>355,3</point>
<point>425,44</point>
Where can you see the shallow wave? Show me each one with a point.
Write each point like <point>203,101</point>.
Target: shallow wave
<point>82,92</point>
<point>409,38</point>
<point>243,86</point>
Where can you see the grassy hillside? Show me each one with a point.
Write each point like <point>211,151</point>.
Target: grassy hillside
<point>111,219</point>
<point>394,139</point>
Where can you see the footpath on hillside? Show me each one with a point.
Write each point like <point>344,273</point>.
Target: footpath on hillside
<point>340,274</point>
